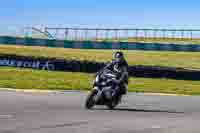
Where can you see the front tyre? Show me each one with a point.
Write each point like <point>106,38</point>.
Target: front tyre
<point>90,101</point>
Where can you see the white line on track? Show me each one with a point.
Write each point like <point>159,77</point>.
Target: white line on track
<point>6,116</point>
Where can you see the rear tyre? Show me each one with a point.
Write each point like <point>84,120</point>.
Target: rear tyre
<point>90,102</point>
<point>115,101</point>
<point>111,105</point>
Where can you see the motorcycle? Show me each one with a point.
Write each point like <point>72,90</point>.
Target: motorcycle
<point>103,92</point>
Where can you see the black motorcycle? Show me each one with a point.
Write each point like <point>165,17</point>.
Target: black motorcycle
<point>103,92</point>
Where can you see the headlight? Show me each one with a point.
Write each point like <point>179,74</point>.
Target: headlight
<point>103,83</point>
<point>97,79</point>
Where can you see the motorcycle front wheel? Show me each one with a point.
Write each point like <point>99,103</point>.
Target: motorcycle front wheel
<point>90,101</point>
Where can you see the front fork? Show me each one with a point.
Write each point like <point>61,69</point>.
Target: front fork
<point>99,94</point>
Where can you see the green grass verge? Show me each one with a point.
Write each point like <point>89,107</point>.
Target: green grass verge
<point>39,79</point>
<point>190,60</point>
<point>163,40</point>
<point>166,40</point>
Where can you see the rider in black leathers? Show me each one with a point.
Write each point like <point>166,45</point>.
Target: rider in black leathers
<point>120,67</point>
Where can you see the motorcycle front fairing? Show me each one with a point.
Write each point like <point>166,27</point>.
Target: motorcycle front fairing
<point>103,90</point>
<point>104,87</point>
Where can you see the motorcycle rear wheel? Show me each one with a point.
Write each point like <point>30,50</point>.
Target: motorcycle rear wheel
<point>111,105</point>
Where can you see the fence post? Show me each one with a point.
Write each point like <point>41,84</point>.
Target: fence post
<point>97,34</point>
<point>66,33</point>
<point>136,34</point>
<point>191,35</point>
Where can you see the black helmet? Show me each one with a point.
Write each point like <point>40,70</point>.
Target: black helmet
<point>119,57</point>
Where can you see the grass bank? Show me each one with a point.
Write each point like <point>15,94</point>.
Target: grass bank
<point>163,40</point>
<point>38,79</point>
<point>189,60</point>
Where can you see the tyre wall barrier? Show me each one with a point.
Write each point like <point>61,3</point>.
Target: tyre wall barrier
<point>99,45</point>
<point>54,64</point>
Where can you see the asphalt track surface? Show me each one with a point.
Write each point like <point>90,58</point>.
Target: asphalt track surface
<point>65,113</point>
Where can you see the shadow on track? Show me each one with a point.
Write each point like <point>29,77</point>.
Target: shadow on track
<point>139,110</point>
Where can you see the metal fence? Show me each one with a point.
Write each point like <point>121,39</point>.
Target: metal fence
<point>80,34</point>
<point>115,35</point>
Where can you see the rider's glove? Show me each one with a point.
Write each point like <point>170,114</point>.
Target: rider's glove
<point>116,81</point>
